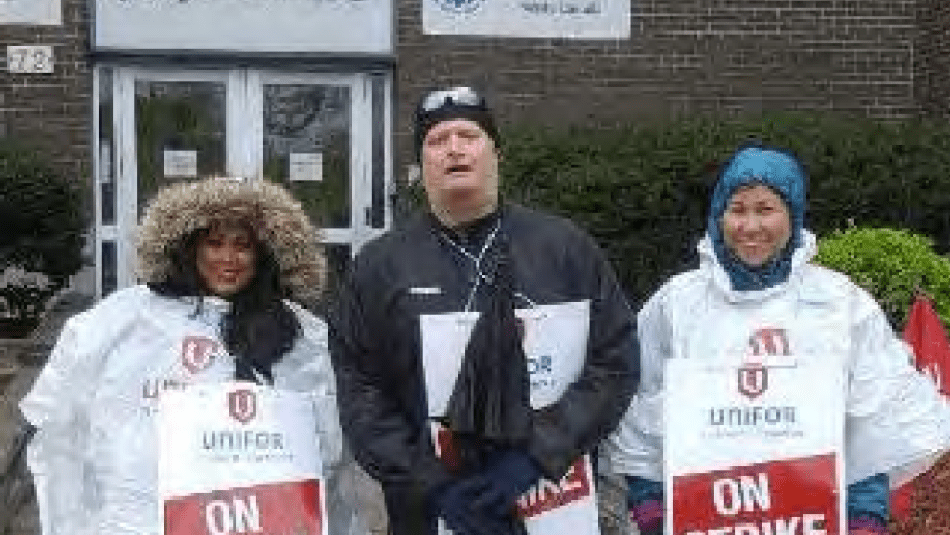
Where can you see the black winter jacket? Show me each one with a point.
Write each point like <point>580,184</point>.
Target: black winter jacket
<point>375,343</point>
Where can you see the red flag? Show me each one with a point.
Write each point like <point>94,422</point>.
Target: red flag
<point>925,334</point>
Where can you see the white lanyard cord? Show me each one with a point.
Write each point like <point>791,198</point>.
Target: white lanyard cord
<point>477,260</point>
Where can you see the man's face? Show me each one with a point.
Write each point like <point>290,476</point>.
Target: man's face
<point>459,167</point>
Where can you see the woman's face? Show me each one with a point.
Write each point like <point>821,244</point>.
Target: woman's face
<point>226,259</point>
<point>756,225</point>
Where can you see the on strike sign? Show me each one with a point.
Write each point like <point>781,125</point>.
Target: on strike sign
<point>548,507</point>
<point>555,342</point>
<point>755,447</point>
<point>239,458</point>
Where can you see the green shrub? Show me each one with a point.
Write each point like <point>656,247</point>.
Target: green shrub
<point>42,225</point>
<point>891,265</point>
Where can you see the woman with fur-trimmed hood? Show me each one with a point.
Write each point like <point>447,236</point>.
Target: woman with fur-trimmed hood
<point>224,265</point>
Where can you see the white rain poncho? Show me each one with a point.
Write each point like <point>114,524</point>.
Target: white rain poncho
<point>94,456</point>
<point>896,421</point>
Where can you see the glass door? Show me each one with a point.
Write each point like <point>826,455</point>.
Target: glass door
<point>315,139</point>
<point>180,128</point>
<point>324,137</point>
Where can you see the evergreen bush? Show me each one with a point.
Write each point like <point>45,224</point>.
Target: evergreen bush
<point>41,237</point>
<point>892,265</point>
<point>643,190</point>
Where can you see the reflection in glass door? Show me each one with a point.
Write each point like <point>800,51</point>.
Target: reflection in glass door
<point>307,140</point>
<point>179,133</point>
<point>307,133</point>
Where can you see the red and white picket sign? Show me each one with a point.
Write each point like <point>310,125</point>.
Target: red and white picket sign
<point>550,508</point>
<point>239,458</point>
<point>555,342</point>
<point>755,448</point>
<point>925,334</point>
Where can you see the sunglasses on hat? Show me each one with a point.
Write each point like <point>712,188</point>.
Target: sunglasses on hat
<point>464,96</point>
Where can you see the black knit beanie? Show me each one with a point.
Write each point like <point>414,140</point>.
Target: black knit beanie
<point>472,107</point>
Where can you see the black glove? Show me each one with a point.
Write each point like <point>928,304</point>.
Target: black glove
<point>453,504</point>
<point>509,475</point>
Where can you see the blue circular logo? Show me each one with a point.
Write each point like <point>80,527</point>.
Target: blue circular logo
<point>463,7</point>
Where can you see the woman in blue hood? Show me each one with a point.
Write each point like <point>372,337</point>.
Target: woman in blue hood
<point>755,264</point>
<point>756,217</point>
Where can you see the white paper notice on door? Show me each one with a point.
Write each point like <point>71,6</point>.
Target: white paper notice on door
<point>180,163</point>
<point>306,166</point>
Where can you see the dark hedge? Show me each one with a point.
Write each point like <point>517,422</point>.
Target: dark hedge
<point>41,231</point>
<point>643,190</point>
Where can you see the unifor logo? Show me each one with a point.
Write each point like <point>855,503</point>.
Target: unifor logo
<point>753,380</point>
<point>459,6</point>
<point>242,405</point>
<point>197,353</point>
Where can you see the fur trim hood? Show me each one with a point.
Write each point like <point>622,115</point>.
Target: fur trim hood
<point>276,218</point>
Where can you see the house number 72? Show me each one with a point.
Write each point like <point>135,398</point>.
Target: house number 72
<point>30,59</point>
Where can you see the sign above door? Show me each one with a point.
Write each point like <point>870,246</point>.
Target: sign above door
<point>245,26</point>
<point>32,12</point>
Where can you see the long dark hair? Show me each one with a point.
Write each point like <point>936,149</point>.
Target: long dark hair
<point>259,328</point>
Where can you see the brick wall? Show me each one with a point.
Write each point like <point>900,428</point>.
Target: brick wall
<point>932,57</point>
<point>51,111</point>
<point>684,57</point>
<point>883,58</point>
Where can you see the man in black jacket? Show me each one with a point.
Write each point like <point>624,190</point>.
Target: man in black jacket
<point>472,256</point>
